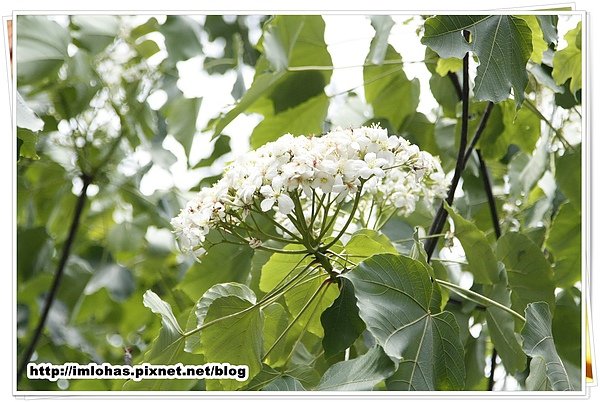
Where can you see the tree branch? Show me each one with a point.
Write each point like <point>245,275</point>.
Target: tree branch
<point>64,257</point>
<point>441,215</point>
<point>482,124</point>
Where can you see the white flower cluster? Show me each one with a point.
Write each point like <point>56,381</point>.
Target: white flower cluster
<point>283,176</point>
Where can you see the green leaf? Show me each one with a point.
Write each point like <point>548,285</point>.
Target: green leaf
<point>564,242</point>
<point>501,327</point>
<point>521,127</point>
<point>236,340</point>
<point>382,24</point>
<point>166,348</point>
<point>566,326</point>
<point>502,44</point>
<point>366,243</point>
<point>163,309</point>
<point>181,115</point>
<point>445,66</point>
<point>394,295</point>
<point>298,296</point>
<point>537,38</point>
<point>42,48</point>
<point>95,32</point>
<point>539,342</point>
<point>537,379</point>
<point>197,316</point>
<point>529,274</point>
<point>494,141</point>
<point>475,364</point>
<point>548,24</point>
<point>341,322</point>
<point>289,41</point>
<point>543,76</point>
<point>149,26</point>
<point>34,250</point>
<point>147,48</point>
<point>568,62</point>
<point>391,94</point>
<point>26,118</point>
<point>125,239</point>
<point>276,320</point>
<point>182,38</point>
<point>568,176</point>
<point>482,262</point>
<point>306,118</point>
<point>284,383</point>
<point>222,263</point>
<point>281,265</point>
<point>359,374</point>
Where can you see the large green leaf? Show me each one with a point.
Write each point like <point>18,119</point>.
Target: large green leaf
<point>284,383</point>
<point>566,326</point>
<point>383,25</point>
<point>341,322</point>
<point>564,242</point>
<point>537,38</point>
<point>548,24</point>
<point>529,274</point>
<point>34,249</point>
<point>236,340</point>
<point>181,115</point>
<point>521,127</point>
<point>306,118</point>
<point>539,342</point>
<point>366,243</point>
<point>394,295</point>
<point>568,62</point>
<point>482,262</point>
<point>359,374</point>
<point>26,118</point>
<point>502,44</point>
<point>197,316</point>
<point>222,263</point>
<point>276,320</point>
<point>501,327</point>
<point>297,297</point>
<point>391,94</point>
<point>162,308</point>
<point>281,265</point>
<point>41,48</point>
<point>537,379</point>
<point>568,176</point>
<point>182,37</point>
<point>166,348</point>
<point>95,32</point>
<point>288,42</point>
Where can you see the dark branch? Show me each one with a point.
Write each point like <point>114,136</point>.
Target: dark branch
<point>441,215</point>
<point>454,78</point>
<point>482,124</point>
<point>492,370</point>
<point>487,185</point>
<point>66,251</point>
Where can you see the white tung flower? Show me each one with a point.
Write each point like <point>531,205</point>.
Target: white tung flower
<point>383,170</point>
